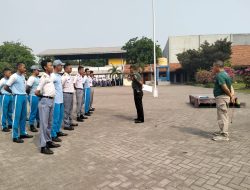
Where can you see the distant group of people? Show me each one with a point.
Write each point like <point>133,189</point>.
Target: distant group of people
<point>105,82</point>
<point>51,101</point>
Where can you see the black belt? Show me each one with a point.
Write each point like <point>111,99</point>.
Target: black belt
<point>79,88</point>
<point>68,92</point>
<point>49,97</point>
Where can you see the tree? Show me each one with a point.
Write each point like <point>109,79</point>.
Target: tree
<point>114,71</point>
<point>194,60</point>
<point>13,52</point>
<point>140,51</point>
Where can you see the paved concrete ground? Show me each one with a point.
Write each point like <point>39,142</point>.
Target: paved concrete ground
<point>171,150</point>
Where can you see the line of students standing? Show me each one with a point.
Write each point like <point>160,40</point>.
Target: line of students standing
<point>50,98</point>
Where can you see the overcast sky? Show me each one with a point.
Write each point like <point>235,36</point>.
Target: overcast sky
<point>46,24</point>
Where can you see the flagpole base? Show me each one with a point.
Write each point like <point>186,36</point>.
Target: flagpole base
<point>155,93</point>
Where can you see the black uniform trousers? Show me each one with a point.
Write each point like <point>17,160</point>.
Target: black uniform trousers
<point>138,94</point>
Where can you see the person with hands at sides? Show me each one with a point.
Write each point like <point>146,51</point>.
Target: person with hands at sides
<point>7,103</point>
<point>31,87</point>
<point>46,90</point>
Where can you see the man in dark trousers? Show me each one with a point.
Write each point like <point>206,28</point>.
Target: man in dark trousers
<point>138,93</point>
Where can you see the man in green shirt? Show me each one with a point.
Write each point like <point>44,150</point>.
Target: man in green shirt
<point>224,94</point>
<point>138,93</point>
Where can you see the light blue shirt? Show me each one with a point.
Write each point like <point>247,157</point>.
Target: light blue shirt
<point>86,82</point>
<point>58,87</point>
<point>3,82</point>
<point>33,83</point>
<point>17,84</point>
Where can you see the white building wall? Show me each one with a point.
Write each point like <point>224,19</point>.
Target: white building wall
<point>179,44</point>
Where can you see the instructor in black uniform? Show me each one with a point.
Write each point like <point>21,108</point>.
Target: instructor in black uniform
<point>138,93</point>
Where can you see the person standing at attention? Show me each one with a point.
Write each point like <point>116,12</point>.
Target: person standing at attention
<point>68,95</point>
<point>78,80</point>
<point>16,86</point>
<point>91,79</point>
<point>31,87</point>
<point>7,103</point>
<point>46,90</point>
<point>86,83</point>
<point>58,112</point>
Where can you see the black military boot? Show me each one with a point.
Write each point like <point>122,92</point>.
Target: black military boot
<point>33,129</point>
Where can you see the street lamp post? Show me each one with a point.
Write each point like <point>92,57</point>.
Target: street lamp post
<point>155,92</point>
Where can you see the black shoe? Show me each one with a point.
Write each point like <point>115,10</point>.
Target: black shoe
<point>92,109</point>
<point>46,150</point>
<point>90,112</point>
<point>73,124</point>
<point>79,119</point>
<point>136,119</point>
<point>18,140</point>
<point>83,117</point>
<point>26,136</point>
<point>56,139</point>
<point>38,125</point>
<point>139,121</point>
<point>33,129</point>
<point>9,126</point>
<point>50,144</point>
<point>61,134</point>
<point>69,128</point>
<point>87,114</point>
<point>6,129</point>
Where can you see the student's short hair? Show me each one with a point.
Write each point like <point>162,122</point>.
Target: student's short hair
<point>19,63</point>
<point>66,65</point>
<point>86,69</point>
<point>80,67</point>
<point>91,72</point>
<point>6,69</point>
<point>44,63</point>
<point>219,63</point>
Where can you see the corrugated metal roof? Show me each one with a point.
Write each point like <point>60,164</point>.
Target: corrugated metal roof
<point>82,51</point>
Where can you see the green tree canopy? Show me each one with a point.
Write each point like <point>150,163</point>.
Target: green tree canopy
<point>193,60</point>
<point>13,52</point>
<point>140,51</point>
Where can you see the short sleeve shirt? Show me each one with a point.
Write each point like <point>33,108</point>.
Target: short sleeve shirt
<point>221,79</point>
<point>57,78</point>
<point>86,83</point>
<point>33,83</point>
<point>3,82</point>
<point>67,83</point>
<point>136,85</point>
<point>78,79</point>
<point>17,83</point>
<point>46,85</point>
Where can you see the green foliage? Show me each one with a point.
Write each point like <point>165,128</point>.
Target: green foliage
<point>193,60</point>
<point>140,51</point>
<point>13,52</point>
<point>114,71</point>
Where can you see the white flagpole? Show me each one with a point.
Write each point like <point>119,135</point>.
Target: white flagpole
<point>155,93</point>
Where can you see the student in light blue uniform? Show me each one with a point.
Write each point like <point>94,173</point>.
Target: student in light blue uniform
<point>87,92</point>
<point>7,103</point>
<point>31,87</point>
<point>16,86</point>
<point>58,103</point>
